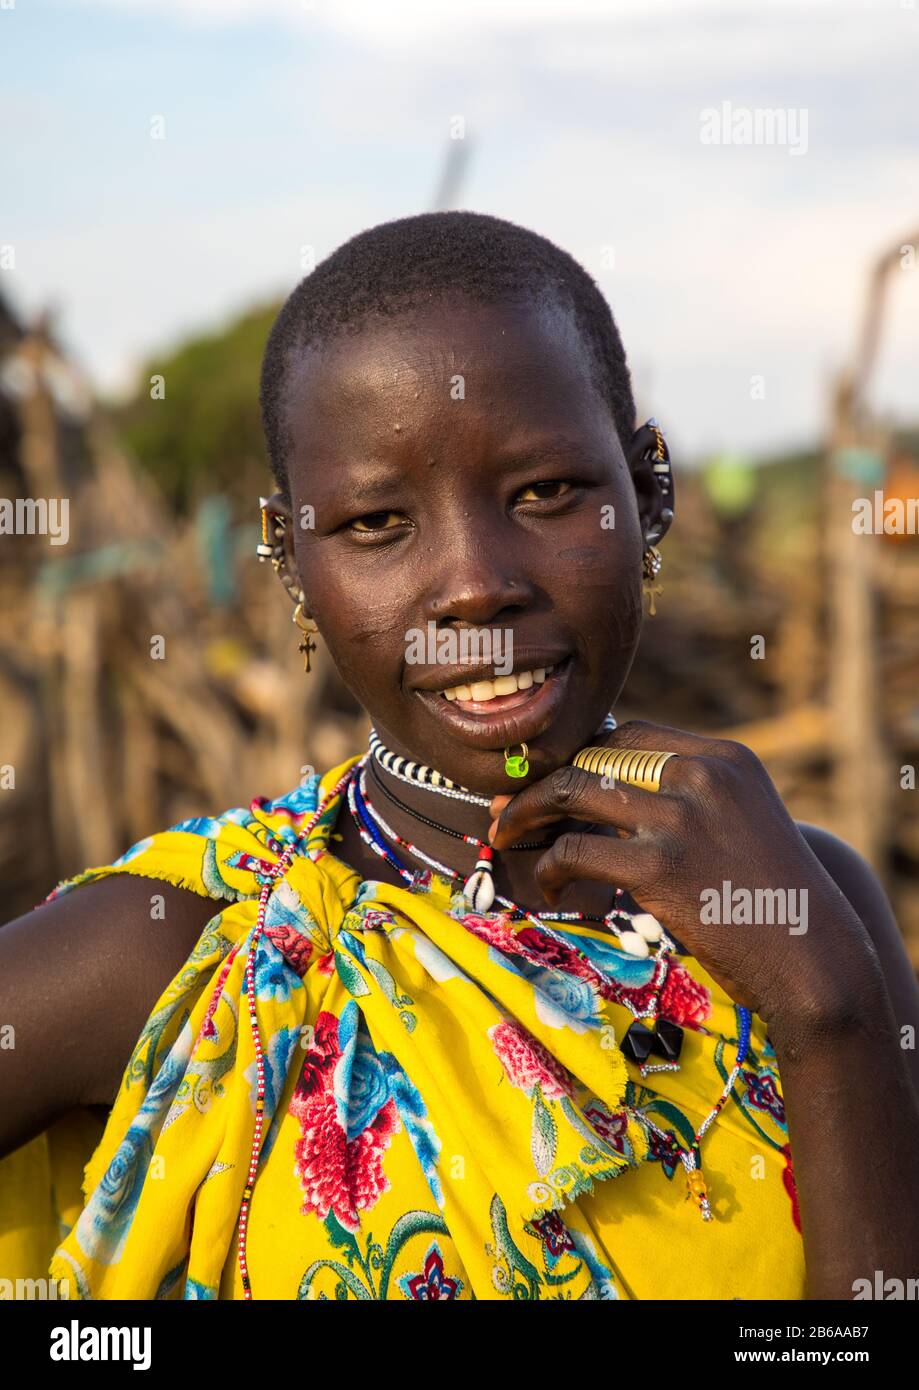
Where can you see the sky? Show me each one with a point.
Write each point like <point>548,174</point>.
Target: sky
<point>733,246</point>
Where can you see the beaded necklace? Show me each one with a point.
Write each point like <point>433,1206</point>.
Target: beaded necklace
<point>270,873</point>
<point>436,825</point>
<point>417,774</point>
<point>479,887</point>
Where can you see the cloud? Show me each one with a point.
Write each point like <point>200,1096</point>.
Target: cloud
<point>584,125</point>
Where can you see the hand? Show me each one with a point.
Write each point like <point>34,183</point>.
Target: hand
<point>717,818</point>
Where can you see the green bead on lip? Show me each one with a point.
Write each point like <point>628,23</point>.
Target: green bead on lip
<point>516,766</point>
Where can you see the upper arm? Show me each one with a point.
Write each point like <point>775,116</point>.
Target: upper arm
<point>79,977</point>
<point>858,881</point>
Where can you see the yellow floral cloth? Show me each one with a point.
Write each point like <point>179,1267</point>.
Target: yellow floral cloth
<point>448,1114</point>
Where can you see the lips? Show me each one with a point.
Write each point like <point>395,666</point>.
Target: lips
<point>498,720</point>
<point>440,677</point>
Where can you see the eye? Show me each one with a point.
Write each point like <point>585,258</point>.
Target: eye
<point>378,521</point>
<point>544,492</point>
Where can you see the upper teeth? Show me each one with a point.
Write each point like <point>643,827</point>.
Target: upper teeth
<point>501,685</point>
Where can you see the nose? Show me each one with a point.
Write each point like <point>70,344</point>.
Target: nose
<point>475,588</point>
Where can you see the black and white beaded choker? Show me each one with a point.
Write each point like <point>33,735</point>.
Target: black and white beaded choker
<point>479,887</point>
<point>420,775</point>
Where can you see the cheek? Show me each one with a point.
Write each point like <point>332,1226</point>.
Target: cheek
<point>599,589</point>
<point>626,616</point>
<point>362,623</point>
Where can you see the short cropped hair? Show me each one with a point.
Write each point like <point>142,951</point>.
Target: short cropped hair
<point>415,261</point>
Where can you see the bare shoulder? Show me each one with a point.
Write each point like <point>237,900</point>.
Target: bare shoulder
<point>78,979</point>
<point>854,876</point>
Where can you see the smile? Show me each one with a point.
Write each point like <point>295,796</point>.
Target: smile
<point>500,688</point>
<point>493,712</point>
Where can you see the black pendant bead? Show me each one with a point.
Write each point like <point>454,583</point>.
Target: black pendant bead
<point>638,1043</point>
<point>668,1039</point>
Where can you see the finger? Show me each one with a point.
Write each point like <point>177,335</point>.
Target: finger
<point>638,733</point>
<point>596,857</point>
<point>702,766</point>
<point>570,792</point>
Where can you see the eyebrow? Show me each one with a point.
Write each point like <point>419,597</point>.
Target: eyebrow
<point>370,488</point>
<point>549,449</point>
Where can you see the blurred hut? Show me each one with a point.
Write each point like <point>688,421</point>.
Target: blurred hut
<point>148,666</point>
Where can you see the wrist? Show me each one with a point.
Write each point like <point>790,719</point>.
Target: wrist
<point>837,1009</point>
<point>832,983</point>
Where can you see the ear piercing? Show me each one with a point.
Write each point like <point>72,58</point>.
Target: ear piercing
<point>654,448</point>
<point>661,465</point>
<point>654,533</point>
<point>306,645</point>
<point>271,547</point>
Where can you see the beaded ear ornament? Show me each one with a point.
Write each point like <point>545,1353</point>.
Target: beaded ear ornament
<point>271,547</point>
<point>653,448</point>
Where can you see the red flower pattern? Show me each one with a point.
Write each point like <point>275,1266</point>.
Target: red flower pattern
<point>293,945</point>
<point>337,1174</point>
<point>527,1063</point>
<point>497,932</point>
<point>683,999</point>
<point>554,954</point>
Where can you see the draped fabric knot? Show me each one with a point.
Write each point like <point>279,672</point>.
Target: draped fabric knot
<point>289,924</point>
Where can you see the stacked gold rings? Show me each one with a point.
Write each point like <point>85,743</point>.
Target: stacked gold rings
<point>637,766</point>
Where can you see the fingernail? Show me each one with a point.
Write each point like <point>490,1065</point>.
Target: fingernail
<point>492,830</point>
<point>498,804</point>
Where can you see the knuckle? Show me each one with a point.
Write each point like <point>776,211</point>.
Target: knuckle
<point>633,730</point>
<point>567,785</point>
<point>713,781</point>
<point>697,775</point>
<point>569,848</point>
<point>736,753</point>
<point>671,853</point>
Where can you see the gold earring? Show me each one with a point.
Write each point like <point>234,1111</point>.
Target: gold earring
<point>650,569</point>
<point>307,628</point>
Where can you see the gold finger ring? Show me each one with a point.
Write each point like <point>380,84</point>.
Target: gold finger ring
<point>637,766</point>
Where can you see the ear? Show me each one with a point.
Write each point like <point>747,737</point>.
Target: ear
<point>649,461</point>
<point>279,510</point>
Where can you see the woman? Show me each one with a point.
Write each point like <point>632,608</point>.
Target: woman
<point>462,1019</point>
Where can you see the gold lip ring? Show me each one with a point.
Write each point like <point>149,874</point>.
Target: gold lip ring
<point>639,767</point>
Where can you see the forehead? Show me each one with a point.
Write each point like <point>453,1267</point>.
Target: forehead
<point>464,367</point>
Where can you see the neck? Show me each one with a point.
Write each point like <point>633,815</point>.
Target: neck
<point>514,871</point>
